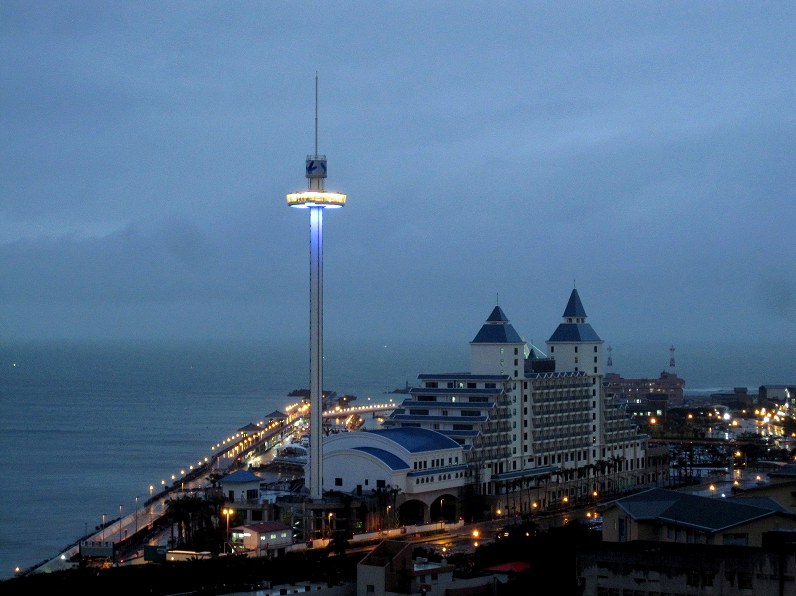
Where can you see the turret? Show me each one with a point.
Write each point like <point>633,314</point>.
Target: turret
<point>574,344</point>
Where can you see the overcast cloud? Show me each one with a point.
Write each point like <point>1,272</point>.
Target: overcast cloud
<point>645,150</point>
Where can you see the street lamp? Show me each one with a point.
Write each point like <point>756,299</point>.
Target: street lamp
<point>136,515</point>
<point>120,523</point>
<point>227,512</point>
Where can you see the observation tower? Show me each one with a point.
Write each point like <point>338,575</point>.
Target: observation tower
<point>316,199</point>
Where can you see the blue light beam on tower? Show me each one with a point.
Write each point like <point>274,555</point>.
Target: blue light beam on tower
<point>316,199</point>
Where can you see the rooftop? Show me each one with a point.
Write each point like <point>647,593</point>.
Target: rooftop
<point>415,440</point>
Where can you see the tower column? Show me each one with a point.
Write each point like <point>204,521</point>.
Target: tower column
<point>316,199</point>
<point>316,351</point>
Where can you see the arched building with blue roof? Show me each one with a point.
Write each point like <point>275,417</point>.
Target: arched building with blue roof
<point>419,467</point>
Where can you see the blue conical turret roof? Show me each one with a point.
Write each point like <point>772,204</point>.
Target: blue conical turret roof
<point>574,306</point>
<point>497,316</point>
<point>497,330</point>
<point>574,328</point>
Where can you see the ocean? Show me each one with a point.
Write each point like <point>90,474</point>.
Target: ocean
<point>86,427</point>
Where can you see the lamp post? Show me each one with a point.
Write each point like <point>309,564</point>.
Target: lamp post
<point>136,515</point>
<point>227,512</point>
<point>120,523</point>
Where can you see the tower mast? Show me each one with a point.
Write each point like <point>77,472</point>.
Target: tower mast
<point>316,199</point>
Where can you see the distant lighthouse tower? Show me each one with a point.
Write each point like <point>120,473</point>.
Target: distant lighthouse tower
<point>316,199</point>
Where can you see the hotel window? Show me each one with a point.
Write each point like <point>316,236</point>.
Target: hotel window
<point>502,350</point>
<point>338,482</point>
<point>552,349</point>
<point>576,349</point>
<point>595,349</point>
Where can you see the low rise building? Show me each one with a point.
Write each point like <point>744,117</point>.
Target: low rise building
<point>669,516</point>
<point>259,540</point>
<point>668,386</point>
<point>421,470</point>
<point>389,569</point>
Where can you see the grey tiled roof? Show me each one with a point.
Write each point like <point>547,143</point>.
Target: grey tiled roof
<point>703,513</point>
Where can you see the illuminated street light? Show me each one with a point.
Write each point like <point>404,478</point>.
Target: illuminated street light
<point>227,512</point>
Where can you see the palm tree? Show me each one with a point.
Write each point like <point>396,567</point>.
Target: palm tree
<point>616,462</point>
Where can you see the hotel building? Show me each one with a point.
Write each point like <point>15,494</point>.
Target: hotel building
<point>537,430</point>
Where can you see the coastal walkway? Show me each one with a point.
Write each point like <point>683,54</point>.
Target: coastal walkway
<point>131,531</point>
<point>145,520</point>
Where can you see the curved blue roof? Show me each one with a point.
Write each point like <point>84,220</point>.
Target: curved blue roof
<point>393,461</point>
<point>574,332</point>
<point>415,440</point>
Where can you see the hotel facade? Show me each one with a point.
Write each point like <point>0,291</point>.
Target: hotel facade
<point>537,431</point>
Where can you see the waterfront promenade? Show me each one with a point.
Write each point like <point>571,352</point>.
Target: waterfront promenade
<point>133,530</point>
<point>137,528</point>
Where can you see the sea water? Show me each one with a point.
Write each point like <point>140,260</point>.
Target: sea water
<point>88,427</point>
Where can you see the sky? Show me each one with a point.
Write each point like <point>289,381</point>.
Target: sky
<point>644,152</point>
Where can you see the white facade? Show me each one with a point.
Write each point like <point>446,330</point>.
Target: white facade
<point>534,428</point>
<point>417,461</point>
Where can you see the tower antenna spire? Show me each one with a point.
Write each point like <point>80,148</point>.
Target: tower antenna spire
<point>316,112</point>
